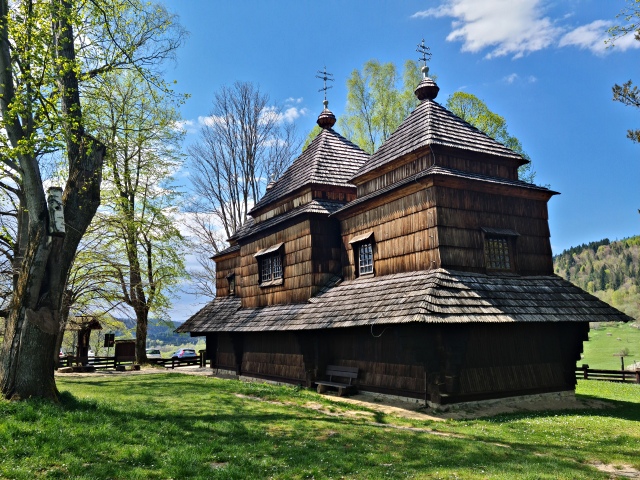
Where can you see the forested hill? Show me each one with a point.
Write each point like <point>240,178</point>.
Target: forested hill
<point>609,270</point>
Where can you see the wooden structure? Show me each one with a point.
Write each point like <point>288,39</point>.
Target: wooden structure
<point>83,325</point>
<point>426,266</point>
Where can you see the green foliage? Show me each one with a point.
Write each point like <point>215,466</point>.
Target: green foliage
<point>178,426</point>
<point>474,111</point>
<point>627,93</point>
<point>607,269</point>
<point>376,104</point>
<point>142,250</point>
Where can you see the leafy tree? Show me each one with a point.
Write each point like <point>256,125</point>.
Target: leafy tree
<point>244,143</point>
<point>474,111</point>
<point>627,93</point>
<point>376,105</point>
<point>144,249</point>
<point>51,54</point>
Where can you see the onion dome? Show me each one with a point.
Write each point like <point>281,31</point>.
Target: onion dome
<point>326,119</point>
<point>427,89</point>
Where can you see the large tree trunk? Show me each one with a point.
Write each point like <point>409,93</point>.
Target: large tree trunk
<point>27,359</point>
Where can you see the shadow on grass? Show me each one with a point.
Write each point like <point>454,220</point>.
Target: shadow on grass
<point>173,426</point>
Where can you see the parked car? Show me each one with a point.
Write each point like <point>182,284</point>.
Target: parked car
<point>153,353</point>
<point>184,353</point>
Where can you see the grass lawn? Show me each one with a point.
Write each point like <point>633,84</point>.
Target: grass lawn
<point>161,426</point>
<point>607,341</point>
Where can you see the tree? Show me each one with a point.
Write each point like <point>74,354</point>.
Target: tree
<point>375,104</point>
<point>627,93</point>
<point>474,111</point>
<point>51,54</point>
<point>244,144</point>
<point>144,254</point>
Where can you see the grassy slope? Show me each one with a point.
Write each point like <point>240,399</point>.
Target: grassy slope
<point>178,426</point>
<point>603,345</point>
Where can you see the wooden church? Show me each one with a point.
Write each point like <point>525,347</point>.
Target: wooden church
<point>427,266</point>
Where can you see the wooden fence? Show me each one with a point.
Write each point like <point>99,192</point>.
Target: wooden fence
<point>627,376</point>
<point>101,363</point>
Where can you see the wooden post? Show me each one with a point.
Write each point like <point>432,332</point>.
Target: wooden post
<point>637,376</point>
<point>585,371</point>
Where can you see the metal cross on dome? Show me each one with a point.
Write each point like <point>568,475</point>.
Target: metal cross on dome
<point>325,76</point>
<point>424,50</point>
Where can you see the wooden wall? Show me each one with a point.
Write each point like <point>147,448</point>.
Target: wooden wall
<point>273,355</point>
<point>224,267</point>
<point>283,206</point>
<point>404,231</point>
<point>416,162</point>
<point>311,256</point>
<point>425,227</point>
<point>297,267</point>
<point>461,213</point>
<point>445,363</point>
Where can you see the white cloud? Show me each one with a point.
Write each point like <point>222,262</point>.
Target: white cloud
<point>185,125</point>
<point>511,78</point>
<point>507,27</point>
<point>519,27</point>
<point>288,115</point>
<point>210,120</point>
<point>514,77</point>
<point>591,36</point>
<point>292,100</point>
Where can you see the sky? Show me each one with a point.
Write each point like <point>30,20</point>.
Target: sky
<point>541,64</point>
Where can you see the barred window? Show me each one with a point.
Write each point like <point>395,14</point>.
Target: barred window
<point>270,268</point>
<point>365,258</point>
<point>270,263</point>
<point>497,253</point>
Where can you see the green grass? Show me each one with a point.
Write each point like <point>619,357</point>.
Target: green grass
<point>163,426</point>
<point>608,340</point>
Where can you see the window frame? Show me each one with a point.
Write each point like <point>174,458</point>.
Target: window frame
<point>359,243</point>
<point>270,265</point>
<point>231,279</point>
<point>369,266</point>
<point>500,250</point>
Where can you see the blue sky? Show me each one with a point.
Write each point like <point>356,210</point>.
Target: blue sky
<point>541,64</point>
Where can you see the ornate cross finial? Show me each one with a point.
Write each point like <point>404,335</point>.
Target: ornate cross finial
<point>424,50</point>
<point>324,76</point>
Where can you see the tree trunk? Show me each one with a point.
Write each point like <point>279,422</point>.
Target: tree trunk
<point>27,357</point>
<point>142,318</point>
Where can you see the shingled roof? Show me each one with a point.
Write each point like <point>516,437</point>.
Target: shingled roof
<point>429,296</point>
<point>326,207</point>
<point>432,124</point>
<point>330,159</point>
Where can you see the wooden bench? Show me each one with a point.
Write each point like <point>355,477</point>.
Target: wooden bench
<point>341,373</point>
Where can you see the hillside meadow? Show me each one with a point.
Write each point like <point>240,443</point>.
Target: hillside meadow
<point>170,425</point>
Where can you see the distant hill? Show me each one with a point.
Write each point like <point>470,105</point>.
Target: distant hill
<point>608,270</point>
<point>159,332</point>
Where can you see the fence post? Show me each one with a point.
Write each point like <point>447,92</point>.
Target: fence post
<point>585,371</point>
<point>637,376</point>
